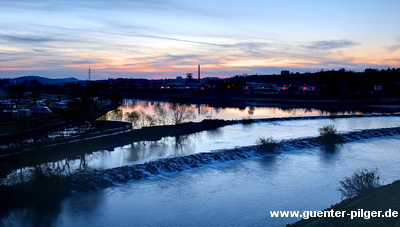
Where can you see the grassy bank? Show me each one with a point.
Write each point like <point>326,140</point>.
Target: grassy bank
<point>382,199</point>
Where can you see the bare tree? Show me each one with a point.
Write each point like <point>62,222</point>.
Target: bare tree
<point>189,76</point>
<point>160,113</point>
<point>132,117</point>
<point>180,113</point>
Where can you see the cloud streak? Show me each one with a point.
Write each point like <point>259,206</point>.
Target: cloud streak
<point>394,47</point>
<point>25,39</point>
<point>331,44</point>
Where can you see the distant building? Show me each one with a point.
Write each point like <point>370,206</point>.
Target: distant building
<point>259,88</point>
<point>285,73</point>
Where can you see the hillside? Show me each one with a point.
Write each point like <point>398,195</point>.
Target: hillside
<point>44,80</point>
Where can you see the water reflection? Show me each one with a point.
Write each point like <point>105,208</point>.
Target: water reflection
<point>222,138</point>
<point>56,169</point>
<point>35,215</point>
<point>330,148</point>
<point>231,111</point>
<point>115,115</point>
<point>134,153</point>
<point>233,194</point>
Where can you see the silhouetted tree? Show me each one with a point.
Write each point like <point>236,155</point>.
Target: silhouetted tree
<point>189,76</point>
<point>180,113</point>
<point>92,89</point>
<point>116,98</point>
<point>17,92</point>
<point>36,89</point>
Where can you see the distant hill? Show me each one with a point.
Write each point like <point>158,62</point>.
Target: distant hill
<point>44,80</point>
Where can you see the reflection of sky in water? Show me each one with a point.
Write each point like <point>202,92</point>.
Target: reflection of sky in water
<point>226,137</point>
<point>204,111</point>
<point>238,193</point>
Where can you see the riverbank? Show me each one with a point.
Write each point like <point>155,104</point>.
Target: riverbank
<point>383,199</point>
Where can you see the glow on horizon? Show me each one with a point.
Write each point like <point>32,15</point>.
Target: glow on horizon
<point>159,39</point>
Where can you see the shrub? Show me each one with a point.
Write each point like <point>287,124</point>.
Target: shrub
<point>360,182</point>
<point>267,144</point>
<point>328,135</point>
<point>327,130</point>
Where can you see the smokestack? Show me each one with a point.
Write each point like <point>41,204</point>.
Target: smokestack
<point>198,72</point>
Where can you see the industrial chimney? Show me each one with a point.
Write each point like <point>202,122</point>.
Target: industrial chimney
<point>198,72</point>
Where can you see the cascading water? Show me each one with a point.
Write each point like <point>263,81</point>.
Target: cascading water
<point>84,181</point>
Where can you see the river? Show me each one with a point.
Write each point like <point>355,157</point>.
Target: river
<point>230,193</point>
<point>239,193</point>
<point>227,137</point>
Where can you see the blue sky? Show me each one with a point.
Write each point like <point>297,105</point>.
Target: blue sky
<point>164,39</point>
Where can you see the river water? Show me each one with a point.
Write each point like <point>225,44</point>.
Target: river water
<point>223,138</point>
<point>232,193</point>
<point>237,193</point>
<point>246,110</point>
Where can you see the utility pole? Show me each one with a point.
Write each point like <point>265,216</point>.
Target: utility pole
<point>198,72</point>
<point>89,73</point>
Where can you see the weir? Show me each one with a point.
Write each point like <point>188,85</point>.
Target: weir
<point>96,179</point>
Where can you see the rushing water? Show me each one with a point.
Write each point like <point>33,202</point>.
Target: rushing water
<point>237,193</point>
<point>224,138</point>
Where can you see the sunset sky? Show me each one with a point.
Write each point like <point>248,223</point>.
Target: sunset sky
<point>169,38</point>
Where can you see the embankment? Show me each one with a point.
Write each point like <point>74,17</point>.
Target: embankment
<point>383,199</point>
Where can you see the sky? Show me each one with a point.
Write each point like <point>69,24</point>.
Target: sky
<point>168,38</point>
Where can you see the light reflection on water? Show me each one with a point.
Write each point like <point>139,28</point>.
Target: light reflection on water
<point>238,193</point>
<point>223,138</point>
<point>206,111</point>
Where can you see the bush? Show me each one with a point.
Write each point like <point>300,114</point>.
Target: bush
<point>360,182</point>
<point>267,144</point>
<point>327,130</point>
<point>328,135</point>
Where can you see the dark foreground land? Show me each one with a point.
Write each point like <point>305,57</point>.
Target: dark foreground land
<point>382,199</point>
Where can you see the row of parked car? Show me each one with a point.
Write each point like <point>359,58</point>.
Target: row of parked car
<point>13,109</point>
